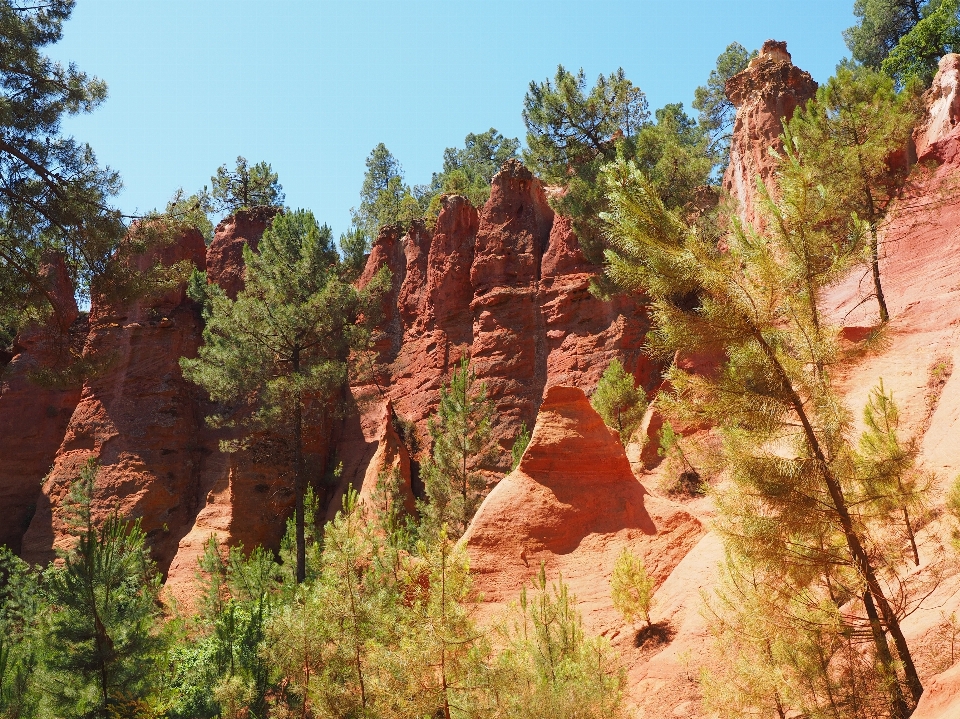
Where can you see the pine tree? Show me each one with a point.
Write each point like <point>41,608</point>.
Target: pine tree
<point>631,588</point>
<point>618,401</point>
<point>917,54</point>
<point>281,351</point>
<point>21,612</point>
<point>846,138</point>
<point>384,198</point>
<point>548,666</point>
<point>462,445</point>
<point>717,113</point>
<point>245,187</point>
<point>757,303</point>
<point>889,476</point>
<point>572,132</point>
<point>469,170</point>
<point>54,196</point>
<point>102,642</point>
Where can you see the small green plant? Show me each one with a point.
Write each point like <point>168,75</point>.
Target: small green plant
<point>631,588</point>
<point>519,445</point>
<point>619,401</point>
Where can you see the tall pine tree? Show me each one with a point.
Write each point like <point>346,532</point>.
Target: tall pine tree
<point>282,350</point>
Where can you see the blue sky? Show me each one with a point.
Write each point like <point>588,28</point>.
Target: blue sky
<point>312,85</point>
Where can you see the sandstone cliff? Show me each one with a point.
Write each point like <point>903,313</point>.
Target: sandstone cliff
<point>765,94</point>
<point>507,287</point>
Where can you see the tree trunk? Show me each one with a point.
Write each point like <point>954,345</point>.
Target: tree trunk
<point>858,554</point>
<point>898,706</point>
<point>875,269</point>
<point>298,489</point>
<point>913,539</point>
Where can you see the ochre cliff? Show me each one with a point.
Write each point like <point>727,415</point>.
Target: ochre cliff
<point>507,287</point>
<point>765,94</point>
<point>33,418</point>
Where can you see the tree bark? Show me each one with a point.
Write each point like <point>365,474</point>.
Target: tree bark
<point>858,554</point>
<point>875,269</point>
<point>298,489</point>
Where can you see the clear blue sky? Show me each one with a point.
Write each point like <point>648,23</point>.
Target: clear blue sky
<point>312,85</point>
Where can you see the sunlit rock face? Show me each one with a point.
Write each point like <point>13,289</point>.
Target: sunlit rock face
<point>765,94</point>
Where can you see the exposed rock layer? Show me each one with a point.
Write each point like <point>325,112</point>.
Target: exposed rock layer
<point>765,94</point>
<point>507,287</point>
<point>33,417</point>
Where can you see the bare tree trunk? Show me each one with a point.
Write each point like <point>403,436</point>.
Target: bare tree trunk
<point>875,268</point>
<point>898,706</point>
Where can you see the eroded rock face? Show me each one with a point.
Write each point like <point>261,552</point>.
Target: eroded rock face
<point>934,134</point>
<point>391,456</point>
<point>573,504</point>
<point>225,255</point>
<point>33,417</point>
<point>136,415</point>
<point>507,287</point>
<point>765,94</point>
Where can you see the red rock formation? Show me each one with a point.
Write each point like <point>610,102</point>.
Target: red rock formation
<point>33,418</point>
<point>509,350</point>
<point>225,256</point>
<point>507,287</point>
<point>391,455</point>
<point>572,504</point>
<point>136,415</point>
<point>941,696</point>
<point>765,94</point>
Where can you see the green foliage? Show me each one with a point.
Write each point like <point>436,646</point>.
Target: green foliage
<point>244,187</point>
<point>193,211</point>
<point>844,140</point>
<point>519,446</point>
<point>101,644</point>
<point>675,154</point>
<point>883,24</point>
<point>279,354</point>
<point>717,113</point>
<point>681,478</point>
<point>384,198</point>
<point>917,54</point>
<point>888,469</point>
<point>53,194</point>
<point>462,445</point>
<point>21,607</point>
<point>618,401</point>
<point>795,513</point>
<point>354,248</point>
<point>572,132</point>
<point>631,588</point>
<point>469,170</point>
<point>548,666</point>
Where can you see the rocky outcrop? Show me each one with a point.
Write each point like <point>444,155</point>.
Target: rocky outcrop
<point>136,416</point>
<point>507,287</point>
<point>391,457</point>
<point>34,416</point>
<point>572,504</point>
<point>941,696</point>
<point>225,256</point>
<point>765,94</point>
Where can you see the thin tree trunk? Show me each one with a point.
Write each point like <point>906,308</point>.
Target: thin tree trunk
<point>898,704</point>
<point>913,539</point>
<point>858,554</point>
<point>298,480</point>
<point>875,268</point>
